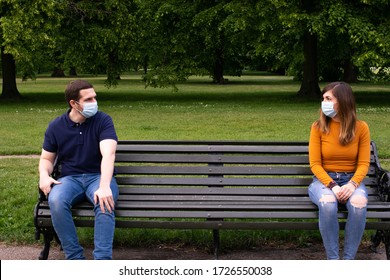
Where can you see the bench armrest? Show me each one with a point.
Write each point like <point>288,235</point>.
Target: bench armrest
<point>384,184</point>
<point>41,195</point>
<point>55,174</point>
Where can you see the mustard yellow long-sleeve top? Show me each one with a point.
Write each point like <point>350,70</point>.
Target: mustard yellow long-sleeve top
<point>326,154</point>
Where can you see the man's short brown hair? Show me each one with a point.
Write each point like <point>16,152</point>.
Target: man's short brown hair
<point>72,91</point>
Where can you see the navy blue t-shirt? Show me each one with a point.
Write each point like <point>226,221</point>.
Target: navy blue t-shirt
<point>77,145</point>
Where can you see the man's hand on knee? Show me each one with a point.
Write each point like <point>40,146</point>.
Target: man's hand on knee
<point>104,197</point>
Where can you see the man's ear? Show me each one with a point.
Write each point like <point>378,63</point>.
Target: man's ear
<point>72,103</point>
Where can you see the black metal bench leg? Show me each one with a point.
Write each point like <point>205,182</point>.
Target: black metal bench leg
<point>381,236</point>
<point>376,240</point>
<point>386,240</point>
<point>216,243</point>
<point>48,236</point>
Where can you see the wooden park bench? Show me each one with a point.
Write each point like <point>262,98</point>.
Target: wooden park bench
<point>221,186</point>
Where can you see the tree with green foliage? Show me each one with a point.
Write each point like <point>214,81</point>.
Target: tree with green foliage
<point>25,31</point>
<point>194,38</point>
<point>98,37</point>
<point>352,38</point>
<point>327,39</point>
<point>224,48</point>
<point>164,41</point>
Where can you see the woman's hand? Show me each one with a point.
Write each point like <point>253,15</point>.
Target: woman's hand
<point>345,192</point>
<point>336,190</point>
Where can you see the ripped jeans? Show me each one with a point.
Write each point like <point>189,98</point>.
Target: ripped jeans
<point>328,220</point>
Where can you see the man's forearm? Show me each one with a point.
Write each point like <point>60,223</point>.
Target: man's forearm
<point>107,170</point>
<point>45,167</point>
<point>107,149</point>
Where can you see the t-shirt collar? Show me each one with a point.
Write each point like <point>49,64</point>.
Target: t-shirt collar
<point>70,122</point>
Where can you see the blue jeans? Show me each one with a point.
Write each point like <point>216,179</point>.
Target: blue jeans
<point>72,190</point>
<point>328,220</point>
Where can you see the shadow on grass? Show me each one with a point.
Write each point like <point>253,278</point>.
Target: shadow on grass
<point>247,89</point>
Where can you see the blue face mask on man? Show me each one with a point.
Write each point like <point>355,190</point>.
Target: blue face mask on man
<point>328,109</point>
<point>89,109</point>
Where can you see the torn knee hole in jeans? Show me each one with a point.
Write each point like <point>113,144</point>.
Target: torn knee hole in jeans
<point>358,201</point>
<point>327,198</point>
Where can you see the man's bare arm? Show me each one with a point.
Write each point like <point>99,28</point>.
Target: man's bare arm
<point>46,166</point>
<point>103,195</point>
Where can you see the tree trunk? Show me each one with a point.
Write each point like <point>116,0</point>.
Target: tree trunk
<point>113,68</point>
<point>10,89</point>
<point>72,71</point>
<point>146,63</point>
<point>309,85</point>
<point>218,68</point>
<point>350,73</point>
<point>58,73</point>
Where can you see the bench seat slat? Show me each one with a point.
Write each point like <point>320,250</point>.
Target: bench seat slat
<point>219,205</point>
<point>281,191</point>
<point>179,214</point>
<point>237,225</point>
<point>218,198</point>
<point>226,206</point>
<point>267,225</point>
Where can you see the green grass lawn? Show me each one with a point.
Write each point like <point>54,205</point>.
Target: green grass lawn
<point>253,107</point>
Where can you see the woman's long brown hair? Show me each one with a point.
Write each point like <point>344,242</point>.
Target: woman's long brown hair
<point>346,112</point>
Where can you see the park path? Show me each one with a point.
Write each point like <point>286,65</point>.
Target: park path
<point>19,156</point>
<point>313,251</point>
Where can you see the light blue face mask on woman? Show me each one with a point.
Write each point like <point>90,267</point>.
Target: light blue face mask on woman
<point>328,109</point>
<point>89,109</point>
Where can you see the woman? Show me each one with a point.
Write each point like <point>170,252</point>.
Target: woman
<point>339,154</point>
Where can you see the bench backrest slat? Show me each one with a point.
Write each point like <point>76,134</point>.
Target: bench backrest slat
<point>288,191</point>
<point>213,170</point>
<point>250,170</point>
<point>220,181</point>
<point>286,149</point>
<point>211,158</point>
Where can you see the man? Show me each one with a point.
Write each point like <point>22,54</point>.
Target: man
<point>83,142</point>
